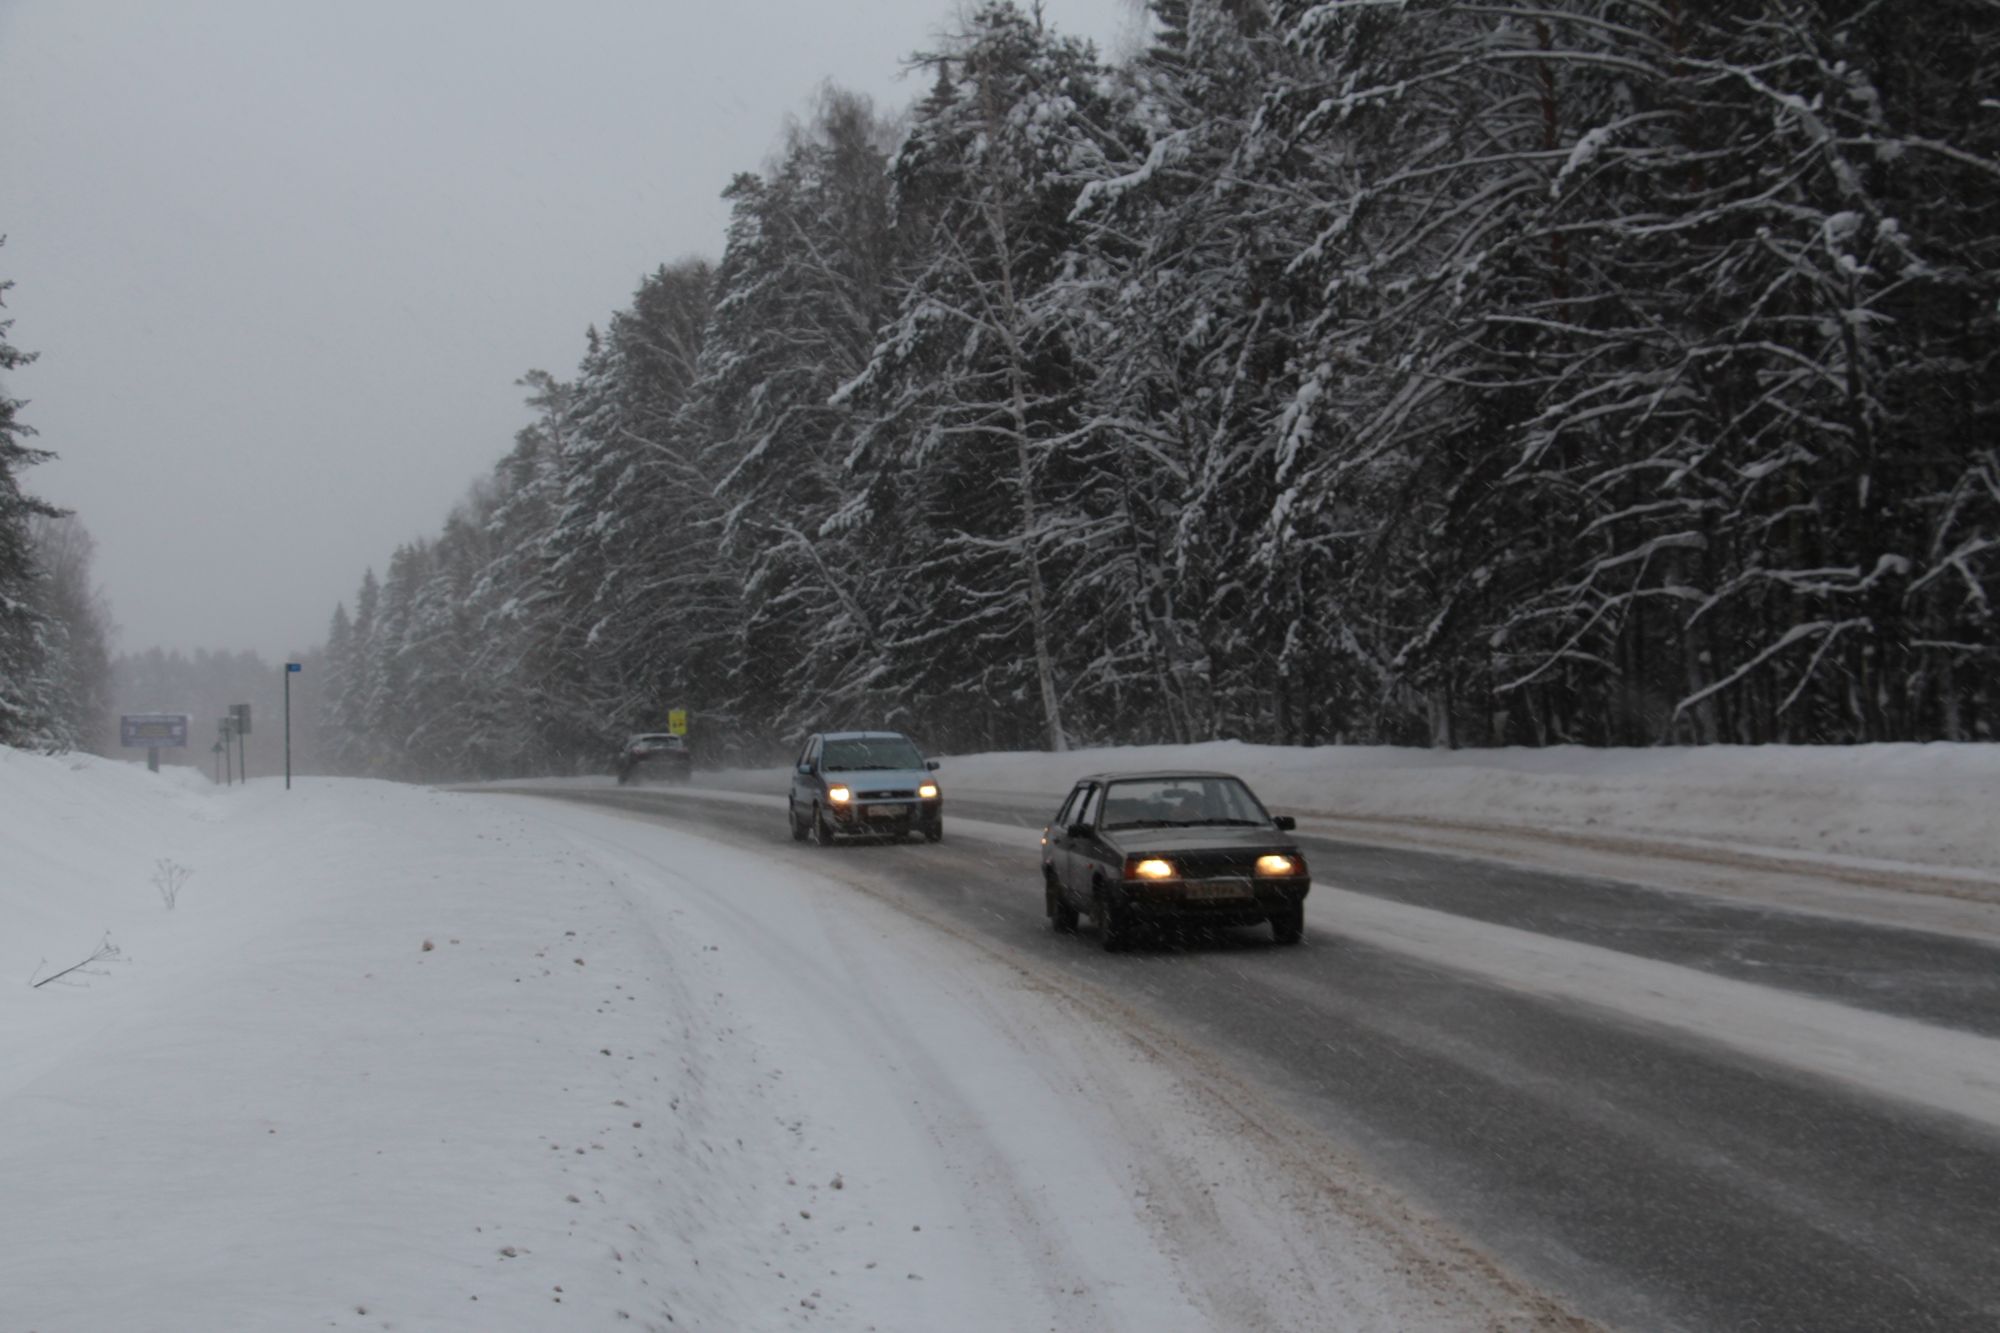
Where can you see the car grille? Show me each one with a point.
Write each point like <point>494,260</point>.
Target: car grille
<point>902,795</point>
<point>1217,865</point>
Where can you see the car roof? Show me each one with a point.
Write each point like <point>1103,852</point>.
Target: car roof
<point>655,736</point>
<point>862,735</point>
<point>1157,775</point>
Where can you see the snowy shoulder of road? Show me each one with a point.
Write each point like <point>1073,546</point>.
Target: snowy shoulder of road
<point>359,1055</point>
<point>1928,806</point>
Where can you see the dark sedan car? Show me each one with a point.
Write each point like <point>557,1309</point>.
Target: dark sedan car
<point>1127,848</point>
<point>654,754</point>
<point>873,784</point>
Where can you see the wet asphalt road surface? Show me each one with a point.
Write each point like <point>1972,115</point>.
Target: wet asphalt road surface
<point>1646,1178</point>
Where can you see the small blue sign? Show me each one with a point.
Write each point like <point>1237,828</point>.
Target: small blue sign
<point>293,666</point>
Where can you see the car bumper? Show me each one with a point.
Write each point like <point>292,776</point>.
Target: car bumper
<point>886,817</point>
<point>1222,902</point>
<point>672,769</point>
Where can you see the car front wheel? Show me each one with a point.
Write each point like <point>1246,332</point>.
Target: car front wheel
<point>1062,917</point>
<point>822,831</point>
<point>792,818</point>
<point>1114,923</point>
<point>1289,925</point>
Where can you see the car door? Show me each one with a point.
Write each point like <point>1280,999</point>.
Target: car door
<point>804,771</point>
<point>1059,822</point>
<point>1078,856</point>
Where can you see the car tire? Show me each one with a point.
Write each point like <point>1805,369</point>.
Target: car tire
<point>1063,918</point>
<point>934,832</point>
<point>624,777</point>
<point>792,818</point>
<point>1289,926</point>
<point>1114,923</point>
<point>822,832</point>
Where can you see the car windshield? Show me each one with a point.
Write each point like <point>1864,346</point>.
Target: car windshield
<point>1176,802</point>
<point>871,752</point>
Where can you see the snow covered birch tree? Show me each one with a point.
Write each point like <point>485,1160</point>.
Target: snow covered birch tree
<point>969,403</point>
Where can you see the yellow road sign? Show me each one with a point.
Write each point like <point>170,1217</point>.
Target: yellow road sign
<point>677,721</point>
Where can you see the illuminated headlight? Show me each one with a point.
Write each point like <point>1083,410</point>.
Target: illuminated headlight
<point>1151,867</point>
<point>1274,864</point>
<point>839,795</point>
<point>928,791</point>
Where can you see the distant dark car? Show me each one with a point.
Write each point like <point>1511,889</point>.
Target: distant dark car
<point>1128,848</point>
<point>864,783</point>
<point>654,754</point>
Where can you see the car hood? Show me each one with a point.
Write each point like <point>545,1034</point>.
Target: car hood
<point>879,779</point>
<point>1201,837</point>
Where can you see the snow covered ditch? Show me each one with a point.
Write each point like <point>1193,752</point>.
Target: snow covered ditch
<point>397,1058</point>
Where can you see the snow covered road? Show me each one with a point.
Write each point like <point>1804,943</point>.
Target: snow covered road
<point>404,1059</point>
<point>1678,1110</point>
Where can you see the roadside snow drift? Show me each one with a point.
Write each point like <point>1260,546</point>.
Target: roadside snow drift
<point>1876,805</point>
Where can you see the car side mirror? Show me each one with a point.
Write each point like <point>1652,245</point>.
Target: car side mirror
<point>1079,830</point>
<point>805,768</point>
<point>931,764</point>
<point>1285,822</point>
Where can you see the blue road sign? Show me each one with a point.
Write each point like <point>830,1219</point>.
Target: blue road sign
<point>153,731</point>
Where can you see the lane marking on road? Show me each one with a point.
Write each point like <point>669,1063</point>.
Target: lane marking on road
<point>1893,1057</point>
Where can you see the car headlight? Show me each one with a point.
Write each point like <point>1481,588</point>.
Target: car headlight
<point>1151,867</point>
<point>839,795</point>
<point>928,791</point>
<point>1273,864</point>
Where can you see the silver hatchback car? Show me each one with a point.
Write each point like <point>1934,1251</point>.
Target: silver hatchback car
<point>864,784</point>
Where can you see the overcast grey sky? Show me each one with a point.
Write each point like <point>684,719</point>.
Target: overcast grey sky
<point>283,262</point>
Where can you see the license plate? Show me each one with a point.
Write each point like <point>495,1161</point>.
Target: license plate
<point>1218,888</point>
<point>888,812</point>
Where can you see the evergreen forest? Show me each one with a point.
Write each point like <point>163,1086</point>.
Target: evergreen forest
<point>1598,372</point>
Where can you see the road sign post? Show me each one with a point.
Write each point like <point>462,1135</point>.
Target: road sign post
<point>153,731</point>
<point>290,669</point>
<point>226,732</point>
<point>239,714</point>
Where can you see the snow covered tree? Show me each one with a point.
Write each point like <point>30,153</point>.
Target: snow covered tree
<point>1444,371</point>
<point>331,721</point>
<point>350,740</point>
<point>803,286</point>
<point>648,605</point>
<point>1188,340</point>
<point>79,630</point>
<point>969,430</point>
<point>31,685</point>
